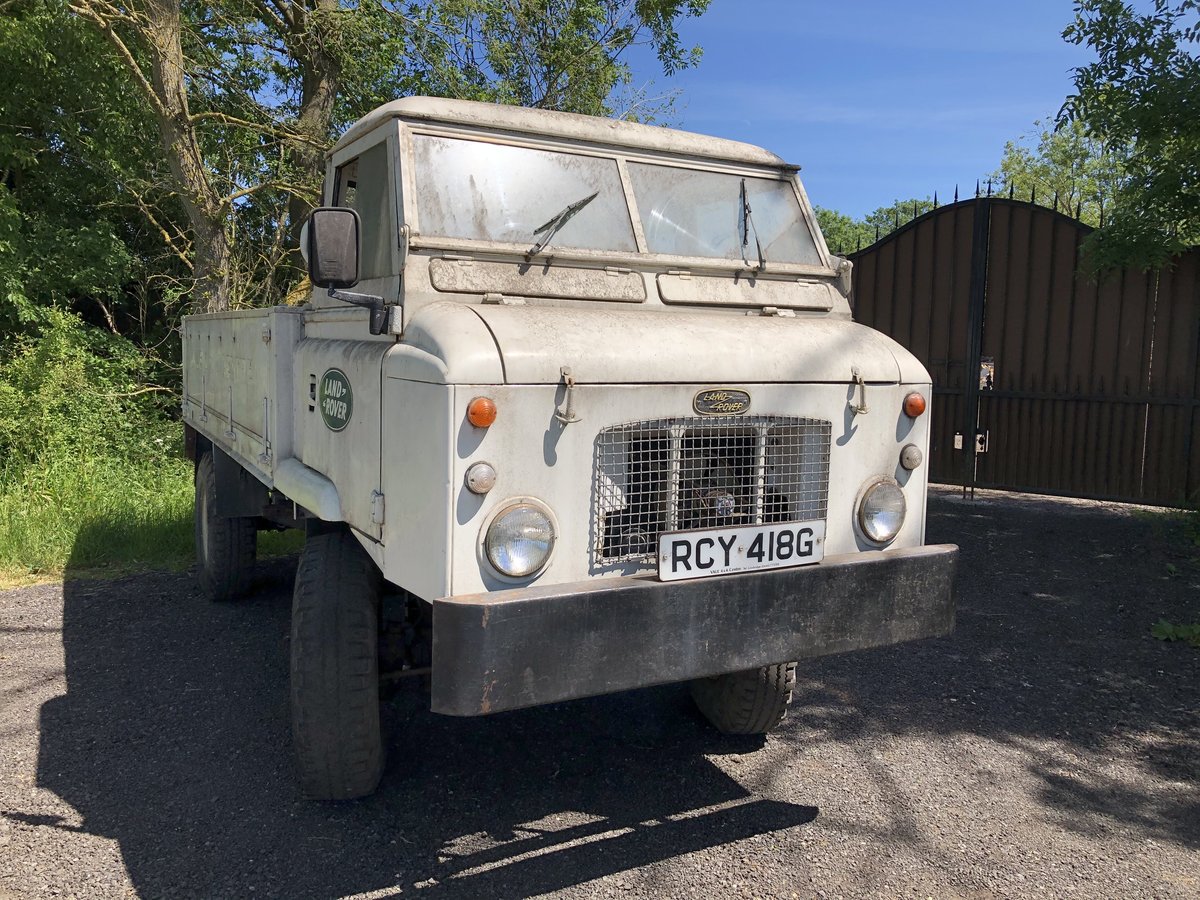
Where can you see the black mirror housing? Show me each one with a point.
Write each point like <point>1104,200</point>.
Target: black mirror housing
<point>334,238</point>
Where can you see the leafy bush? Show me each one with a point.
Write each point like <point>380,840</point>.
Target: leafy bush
<point>90,470</point>
<point>77,392</point>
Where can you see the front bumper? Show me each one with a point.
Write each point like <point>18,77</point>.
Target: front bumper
<point>530,646</point>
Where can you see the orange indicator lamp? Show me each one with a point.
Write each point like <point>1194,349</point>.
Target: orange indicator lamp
<point>481,412</point>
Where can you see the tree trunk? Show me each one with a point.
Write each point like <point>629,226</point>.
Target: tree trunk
<point>158,29</point>
<point>307,40</point>
<point>206,212</point>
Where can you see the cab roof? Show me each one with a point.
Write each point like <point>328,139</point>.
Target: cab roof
<point>569,126</point>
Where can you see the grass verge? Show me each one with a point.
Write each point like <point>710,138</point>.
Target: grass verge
<point>101,517</point>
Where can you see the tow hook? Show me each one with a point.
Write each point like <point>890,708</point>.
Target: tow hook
<point>861,406</point>
<point>566,412</point>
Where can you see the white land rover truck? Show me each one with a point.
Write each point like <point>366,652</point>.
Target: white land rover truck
<point>594,417</point>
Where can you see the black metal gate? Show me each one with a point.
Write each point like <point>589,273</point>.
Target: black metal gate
<point>1044,380</point>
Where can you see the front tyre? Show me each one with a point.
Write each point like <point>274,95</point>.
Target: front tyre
<point>225,547</point>
<point>335,668</point>
<point>751,702</point>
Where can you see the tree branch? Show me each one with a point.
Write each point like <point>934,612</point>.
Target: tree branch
<point>85,10</point>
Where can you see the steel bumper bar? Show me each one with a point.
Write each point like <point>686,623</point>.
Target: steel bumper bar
<point>525,647</point>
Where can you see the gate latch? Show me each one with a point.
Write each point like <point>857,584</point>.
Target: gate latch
<point>566,412</point>
<point>861,406</point>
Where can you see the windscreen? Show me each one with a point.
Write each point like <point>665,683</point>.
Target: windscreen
<point>494,192</point>
<point>690,212</point>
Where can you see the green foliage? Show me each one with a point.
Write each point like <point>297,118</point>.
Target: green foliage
<point>76,392</point>
<point>1166,631</point>
<point>86,448</point>
<point>76,158</point>
<point>846,235</point>
<point>843,234</point>
<point>1139,96</point>
<point>1064,166</point>
<point>543,53</point>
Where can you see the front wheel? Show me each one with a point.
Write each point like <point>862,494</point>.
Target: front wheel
<point>335,668</point>
<point>225,547</point>
<point>751,702</point>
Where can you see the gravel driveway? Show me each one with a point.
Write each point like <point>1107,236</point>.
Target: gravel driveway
<point>1050,747</point>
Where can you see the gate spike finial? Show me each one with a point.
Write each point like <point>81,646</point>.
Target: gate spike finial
<point>935,199</point>
<point>1079,210</point>
<point>1056,201</point>
<point>956,193</point>
<point>1010,190</point>
<point>976,188</point>
<point>1033,194</point>
<point>989,189</point>
<point>876,232</point>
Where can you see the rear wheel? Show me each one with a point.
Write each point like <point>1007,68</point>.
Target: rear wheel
<point>225,547</point>
<point>751,702</point>
<point>335,668</point>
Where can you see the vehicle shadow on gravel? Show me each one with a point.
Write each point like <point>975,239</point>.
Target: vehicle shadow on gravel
<point>1052,657</point>
<point>172,739</point>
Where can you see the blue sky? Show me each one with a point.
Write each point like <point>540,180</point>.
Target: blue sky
<point>877,100</point>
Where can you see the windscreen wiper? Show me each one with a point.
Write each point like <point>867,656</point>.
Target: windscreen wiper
<point>745,225</point>
<point>552,227</point>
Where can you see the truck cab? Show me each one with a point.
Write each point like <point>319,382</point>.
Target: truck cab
<point>584,400</point>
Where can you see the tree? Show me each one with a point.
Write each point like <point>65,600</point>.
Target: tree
<point>246,94</point>
<point>77,163</point>
<point>1067,168</point>
<point>846,235</point>
<point>843,234</point>
<point>1141,95</point>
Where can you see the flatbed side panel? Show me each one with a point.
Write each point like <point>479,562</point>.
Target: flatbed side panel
<point>238,383</point>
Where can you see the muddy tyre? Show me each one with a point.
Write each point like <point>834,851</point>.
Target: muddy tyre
<point>751,702</point>
<point>335,669</point>
<point>225,547</point>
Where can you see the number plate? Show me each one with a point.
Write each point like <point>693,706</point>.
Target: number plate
<point>721,551</point>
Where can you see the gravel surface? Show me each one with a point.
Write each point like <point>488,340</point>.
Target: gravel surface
<point>1050,747</point>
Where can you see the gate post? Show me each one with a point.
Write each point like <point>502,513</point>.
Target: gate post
<point>981,234</point>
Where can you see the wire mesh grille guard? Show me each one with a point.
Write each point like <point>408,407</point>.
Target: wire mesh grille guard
<point>673,474</point>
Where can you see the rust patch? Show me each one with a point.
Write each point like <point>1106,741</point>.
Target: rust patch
<point>485,703</point>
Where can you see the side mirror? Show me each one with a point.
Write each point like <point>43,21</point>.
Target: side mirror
<point>332,241</point>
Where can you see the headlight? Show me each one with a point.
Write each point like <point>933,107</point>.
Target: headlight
<point>519,540</point>
<point>881,511</point>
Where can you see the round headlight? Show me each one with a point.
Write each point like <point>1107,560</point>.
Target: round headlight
<point>519,540</point>
<point>881,512</point>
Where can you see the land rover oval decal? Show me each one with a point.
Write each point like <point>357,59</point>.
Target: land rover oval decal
<point>336,399</point>
<point>721,402</point>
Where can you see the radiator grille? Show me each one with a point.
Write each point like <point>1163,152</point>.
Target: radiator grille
<point>673,474</point>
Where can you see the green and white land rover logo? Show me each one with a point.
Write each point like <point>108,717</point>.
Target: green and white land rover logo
<point>336,399</point>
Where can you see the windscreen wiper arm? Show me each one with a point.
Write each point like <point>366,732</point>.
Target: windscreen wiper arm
<point>552,227</point>
<point>745,225</point>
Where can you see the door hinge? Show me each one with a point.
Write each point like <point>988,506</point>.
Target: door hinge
<point>376,508</point>
<point>860,383</point>
<point>566,412</point>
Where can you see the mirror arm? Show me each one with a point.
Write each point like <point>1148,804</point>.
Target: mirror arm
<point>370,301</point>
